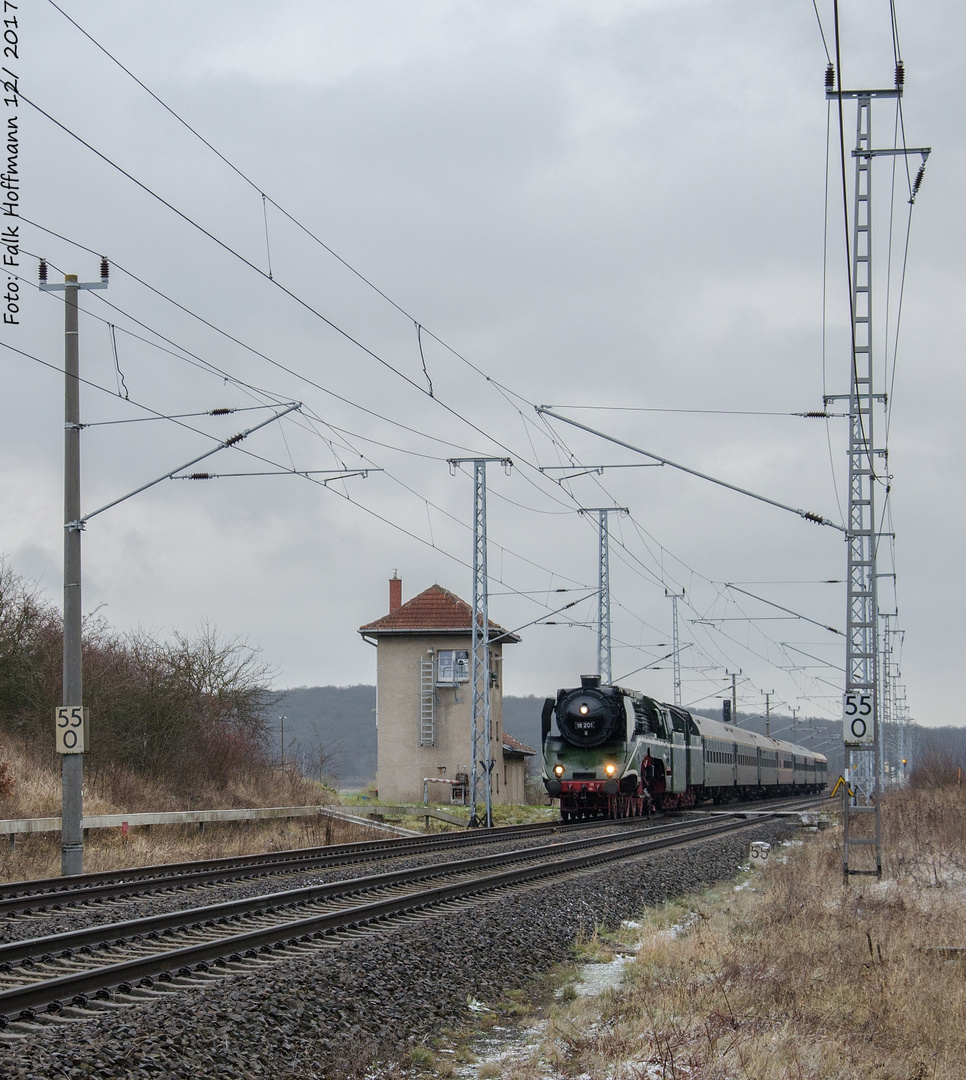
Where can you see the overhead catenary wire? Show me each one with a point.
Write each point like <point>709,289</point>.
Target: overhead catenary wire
<point>430,520</point>
<point>284,367</point>
<point>349,497</point>
<point>821,30</point>
<point>812,415</point>
<point>237,341</point>
<point>456,520</point>
<point>307,474</point>
<point>439,509</point>
<point>266,198</point>
<point>806,514</point>
<point>509,392</point>
<point>121,384</point>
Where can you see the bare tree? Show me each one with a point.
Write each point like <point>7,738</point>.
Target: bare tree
<point>320,760</point>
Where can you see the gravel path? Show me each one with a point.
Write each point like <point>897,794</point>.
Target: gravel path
<point>335,1013</point>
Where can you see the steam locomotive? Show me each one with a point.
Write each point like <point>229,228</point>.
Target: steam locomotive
<point>613,752</point>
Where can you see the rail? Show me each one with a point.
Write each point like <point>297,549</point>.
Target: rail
<point>59,983</point>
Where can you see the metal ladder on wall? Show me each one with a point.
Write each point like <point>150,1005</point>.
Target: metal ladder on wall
<point>427,702</point>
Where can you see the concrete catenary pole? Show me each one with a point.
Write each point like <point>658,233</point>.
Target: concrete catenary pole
<point>72,765</point>
<point>71,722</point>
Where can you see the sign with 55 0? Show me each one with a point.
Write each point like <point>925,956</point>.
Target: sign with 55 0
<point>70,727</point>
<point>858,711</point>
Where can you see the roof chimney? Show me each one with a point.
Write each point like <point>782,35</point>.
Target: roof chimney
<point>395,592</point>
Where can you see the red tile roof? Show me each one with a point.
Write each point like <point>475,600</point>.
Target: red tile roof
<point>433,611</point>
<point>514,746</point>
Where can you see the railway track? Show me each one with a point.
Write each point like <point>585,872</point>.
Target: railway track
<point>794,803</point>
<point>51,894</point>
<point>61,976</point>
<point>47,894</point>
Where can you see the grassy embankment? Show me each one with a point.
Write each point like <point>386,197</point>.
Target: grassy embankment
<point>787,974</point>
<point>37,793</point>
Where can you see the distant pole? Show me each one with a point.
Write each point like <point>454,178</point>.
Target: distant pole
<point>768,694</point>
<point>281,727</point>
<point>734,695</point>
<point>72,764</point>
<point>675,644</point>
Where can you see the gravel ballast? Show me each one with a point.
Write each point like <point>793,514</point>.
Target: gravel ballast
<point>336,1012</point>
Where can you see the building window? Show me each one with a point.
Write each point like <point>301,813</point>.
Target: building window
<point>452,667</point>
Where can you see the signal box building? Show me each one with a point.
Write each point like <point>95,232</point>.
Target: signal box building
<point>424,701</point>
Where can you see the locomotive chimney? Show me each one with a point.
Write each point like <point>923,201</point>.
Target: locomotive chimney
<point>395,592</point>
<point>589,682</point>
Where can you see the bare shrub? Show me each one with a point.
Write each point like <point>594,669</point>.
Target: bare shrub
<point>186,714</point>
<point>935,769</point>
<point>29,625</point>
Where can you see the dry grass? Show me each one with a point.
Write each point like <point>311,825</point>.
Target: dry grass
<point>790,974</point>
<point>37,788</point>
<point>38,856</point>
<point>37,793</point>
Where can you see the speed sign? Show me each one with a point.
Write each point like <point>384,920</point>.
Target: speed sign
<point>70,728</point>
<point>858,712</point>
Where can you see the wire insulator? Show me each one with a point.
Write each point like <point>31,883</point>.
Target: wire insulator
<point>235,439</point>
<point>42,270</point>
<point>199,476</point>
<point>918,181</point>
<point>830,77</point>
<point>816,518</point>
<point>105,269</point>
<point>816,414</point>
<point>900,75</point>
<point>221,412</point>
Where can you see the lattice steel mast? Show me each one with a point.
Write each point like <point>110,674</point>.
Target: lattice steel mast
<point>480,664</point>
<point>675,643</point>
<point>603,588</point>
<point>861,720</point>
<point>887,684</point>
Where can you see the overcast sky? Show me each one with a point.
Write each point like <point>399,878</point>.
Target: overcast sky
<point>618,208</point>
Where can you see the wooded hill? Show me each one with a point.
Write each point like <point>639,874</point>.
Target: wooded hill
<point>331,731</point>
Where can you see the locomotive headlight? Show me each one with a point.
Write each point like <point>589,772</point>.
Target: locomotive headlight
<point>610,769</point>
<point>584,709</point>
<point>558,770</point>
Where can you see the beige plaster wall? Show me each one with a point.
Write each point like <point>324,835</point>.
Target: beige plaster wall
<point>402,763</point>
<point>514,771</point>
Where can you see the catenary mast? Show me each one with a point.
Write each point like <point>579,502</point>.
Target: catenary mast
<point>862,719</point>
